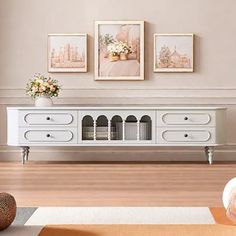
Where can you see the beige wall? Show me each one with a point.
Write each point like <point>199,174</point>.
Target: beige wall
<point>24,26</point>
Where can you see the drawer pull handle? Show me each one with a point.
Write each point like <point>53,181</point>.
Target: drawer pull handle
<point>185,118</point>
<point>48,118</point>
<point>186,135</point>
<point>48,135</point>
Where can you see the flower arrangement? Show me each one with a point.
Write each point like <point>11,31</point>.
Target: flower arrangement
<point>114,48</point>
<point>42,86</point>
<point>106,40</point>
<point>125,48</point>
<point>117,48</point>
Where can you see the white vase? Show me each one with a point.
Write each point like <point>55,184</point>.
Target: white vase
<point>43,101</point>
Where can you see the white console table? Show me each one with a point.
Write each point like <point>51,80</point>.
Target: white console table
<point>116,126</point>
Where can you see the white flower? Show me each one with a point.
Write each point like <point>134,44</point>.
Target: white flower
<point>118,47</point>
<point>43,88</point>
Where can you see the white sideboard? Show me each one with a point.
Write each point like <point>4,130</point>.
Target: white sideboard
<point>116,126</point>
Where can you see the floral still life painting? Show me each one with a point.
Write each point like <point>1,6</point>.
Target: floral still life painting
<point>173,52</point>
<point>67,53</point>
<point>119,50</point>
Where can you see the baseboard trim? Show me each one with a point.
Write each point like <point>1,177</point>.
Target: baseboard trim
<point>118,154</point>
<point>120,149</point>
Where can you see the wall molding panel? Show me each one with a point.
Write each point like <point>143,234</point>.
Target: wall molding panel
<point>213,96</point>
<point>132,92</point>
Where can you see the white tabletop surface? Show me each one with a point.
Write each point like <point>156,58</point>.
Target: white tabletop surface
<point>110,107</point>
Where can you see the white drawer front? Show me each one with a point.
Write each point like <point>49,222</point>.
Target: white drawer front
<point>166,135</point>
<point>48,136</point>
<point>186,118</point>
<point>28,118</point>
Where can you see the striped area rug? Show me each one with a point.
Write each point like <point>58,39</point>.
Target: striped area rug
<point>45,221</point>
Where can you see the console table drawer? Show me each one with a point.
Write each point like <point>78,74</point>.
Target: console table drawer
<point>186,118</point>
<point>28,118</point>
<point>48,136</point>
<point>186,135</point>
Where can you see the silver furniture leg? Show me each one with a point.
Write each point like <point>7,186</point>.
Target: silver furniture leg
<point>206,152</point>
<point>209,151</point>
<point>25,154</point>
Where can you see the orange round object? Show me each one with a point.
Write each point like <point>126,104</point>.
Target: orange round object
<point>7,210</point>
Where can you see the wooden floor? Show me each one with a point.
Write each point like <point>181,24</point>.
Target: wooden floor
<point>116,184</point>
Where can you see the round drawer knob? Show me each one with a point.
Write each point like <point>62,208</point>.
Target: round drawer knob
<point>48,118</point>
<point>185,118</point>
<point>48,135</point>
<point>186,135</point>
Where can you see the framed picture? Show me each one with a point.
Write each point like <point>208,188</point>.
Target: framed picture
<point>173,52</point>
<point>119,50</point>
<point>67,53</point>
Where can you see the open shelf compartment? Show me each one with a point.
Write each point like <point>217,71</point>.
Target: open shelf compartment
<point>117,128</point>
